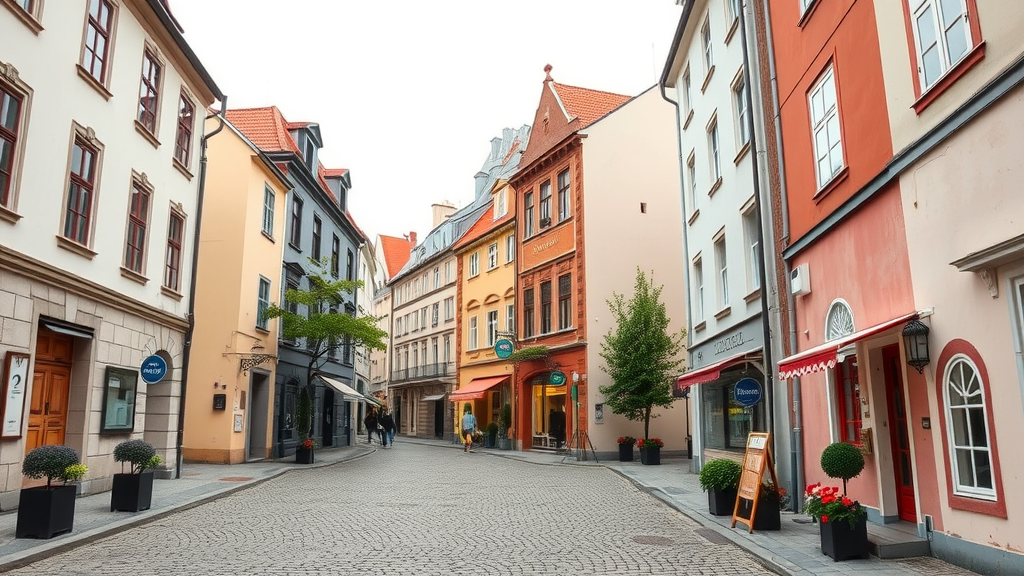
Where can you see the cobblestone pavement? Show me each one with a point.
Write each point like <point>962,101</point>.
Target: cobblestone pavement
<point>419,510</point>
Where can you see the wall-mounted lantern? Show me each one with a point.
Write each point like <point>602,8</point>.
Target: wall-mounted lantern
<point>915,340</point>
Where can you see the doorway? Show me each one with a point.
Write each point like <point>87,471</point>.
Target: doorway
<point>328,427</point>
<point>51,381</point>
<point>899,435</point>
<point>258,409</point>
<point>438,419</point>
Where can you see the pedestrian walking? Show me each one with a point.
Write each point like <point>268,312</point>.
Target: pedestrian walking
<point>387,422</point>
<point>371,424</point>
<point>468,426</point>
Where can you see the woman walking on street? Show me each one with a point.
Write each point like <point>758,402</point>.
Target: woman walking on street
<point>468,426</point>
<point>371,424</point>
<point>388,433</point>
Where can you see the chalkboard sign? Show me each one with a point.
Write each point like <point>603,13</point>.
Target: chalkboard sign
<point>757,458</point>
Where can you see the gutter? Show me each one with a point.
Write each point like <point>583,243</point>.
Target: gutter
<point>168,22</point>
<point>186,354</point>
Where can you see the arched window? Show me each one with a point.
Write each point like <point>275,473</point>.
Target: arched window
<point>838,321</point>
<point>967,430</point>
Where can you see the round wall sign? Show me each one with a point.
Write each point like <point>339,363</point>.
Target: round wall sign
<point>503,348</point>
<point>153,369</point>
<point>747,392</point>
<point>557,378</point>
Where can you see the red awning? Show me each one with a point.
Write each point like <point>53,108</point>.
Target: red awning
<point>825,356</point>
<point>476,389</point>
<point>711,371</point>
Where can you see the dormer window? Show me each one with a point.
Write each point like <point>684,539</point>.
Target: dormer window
<point>309,154</point>
<point>500,204</point>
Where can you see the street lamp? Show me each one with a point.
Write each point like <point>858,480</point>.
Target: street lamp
<point>915,340</point>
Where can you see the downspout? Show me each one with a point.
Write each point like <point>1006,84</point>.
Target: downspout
<point>192,280</point>
<point>797,445</point>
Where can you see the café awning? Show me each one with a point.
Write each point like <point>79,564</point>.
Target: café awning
<point>825,356</point>
<point>476,389</point>
<point>711,372</point>
<point>433,397</point>
<point>347,392</point>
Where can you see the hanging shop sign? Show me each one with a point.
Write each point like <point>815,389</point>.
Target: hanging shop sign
<point>747,392</point>
<point>153,369</point>
<point>503,348</point>
<point>557,378</point>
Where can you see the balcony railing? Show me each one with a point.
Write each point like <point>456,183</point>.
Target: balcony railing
<point>425,371</point>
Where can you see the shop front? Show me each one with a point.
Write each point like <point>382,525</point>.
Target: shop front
<point>548,411</point>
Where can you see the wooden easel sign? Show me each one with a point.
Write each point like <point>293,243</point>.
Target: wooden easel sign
<point>757,458</point>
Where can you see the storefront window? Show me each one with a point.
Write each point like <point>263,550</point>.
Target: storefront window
<point>548,408</point>
<point>726,422</point>
<point>119,400</point>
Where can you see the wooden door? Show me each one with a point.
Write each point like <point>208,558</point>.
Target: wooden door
<point>48,406</point>
<point>899,435</point>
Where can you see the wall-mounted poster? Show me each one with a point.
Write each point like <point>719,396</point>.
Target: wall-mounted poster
<point>15,382</point>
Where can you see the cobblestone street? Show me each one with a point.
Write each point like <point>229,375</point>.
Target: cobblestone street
<point>419,510</point>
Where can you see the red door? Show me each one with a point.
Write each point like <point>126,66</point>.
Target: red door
<point>899,434</point>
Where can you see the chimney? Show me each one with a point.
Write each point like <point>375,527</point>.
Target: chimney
<point>441,213</point>
<point>412,238</point>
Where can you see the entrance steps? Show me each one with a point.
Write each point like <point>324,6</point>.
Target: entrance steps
<point>896,540</point>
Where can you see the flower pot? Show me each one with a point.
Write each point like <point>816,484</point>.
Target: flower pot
<point>650,456</point>
<point>625,452</point>
<point>44,513</point>
<point>768,515</point>
<point>722,502</point>
<point>304,455</point>
<point>132,492</point>
<point>490,440</point>
<point>504,443</point>
<point>840,541</point>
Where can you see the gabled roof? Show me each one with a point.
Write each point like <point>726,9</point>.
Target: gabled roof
<point>396,253</point>
<point>484,226</point>
<point>265,127</point>
<point>586,104</point>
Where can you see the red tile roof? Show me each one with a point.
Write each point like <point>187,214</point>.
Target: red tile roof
<point>265,127</point>
<point>335,172</point>
<point>485,225</point>
<point>586,104</point>
<point>396,253</point>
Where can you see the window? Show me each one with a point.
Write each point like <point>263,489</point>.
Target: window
<point>714,153</point>
<point>78,215</point>
<point>564,195</point>
<point>698,284</point>
<point>734,9</point>
<point>942,33</point>
<point>447,348</point>
<point>183,140</point>
<point>691,174</point>
<point>350,259</point>
<point>723,273</point>
<point>510,249</point>
<point>545,307</point>
<point>425,282</point>
<point>335,255</point>
<point>564,301</point>
<point>448,273</point>
<point>848,400</point>
<point>828,142</point>
<point>97,40</point>
<point>172,259</point>
<point>434,313</point>
<point>545,204</point>
<point>423,318</point>
<point>492,256</point>
<point>753,242</point>
<point>510,318</point>
<point>705,39</point>
<point>433,349</point>
<point>501,203</point>
<point>10,118</point>
<point>687,97</point>
<point>268,210</point>
<point>528,313</point>
<point>317,232</point>
<point>263,304</point>
<point>739,98</point>
<point>472,333</point>
<point>296,237</point>
<point>492,327</point>
<point>474,264</point>
<point>138,219</point>
<point>528,216</point>
<point>967,429</point>
<point>449,308</point>
<point>309,153</point>
<point>119,400</point>
<point>149,92</point>
<point>437,277</point>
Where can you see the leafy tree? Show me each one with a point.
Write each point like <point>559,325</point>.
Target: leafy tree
<point>326,326</point>
<point>640,353</point>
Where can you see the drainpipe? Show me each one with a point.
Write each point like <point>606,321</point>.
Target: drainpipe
<point>192,280</point>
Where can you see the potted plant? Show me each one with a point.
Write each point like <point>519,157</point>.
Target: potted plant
<point>720,478</point>
<point>626,444</point>
<point>304,452</point>
<point>133,490</point>
<point>45,511</point>
<point>769,507</point>
<point>842,522</point>
<point>505,418</point>
<point>491,439</point>
<point>650,451</point>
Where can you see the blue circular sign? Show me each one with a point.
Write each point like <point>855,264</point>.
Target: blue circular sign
<point>153,369</point>
<point>747,392</point>
<point>557,378</point>
<point>503,348</point>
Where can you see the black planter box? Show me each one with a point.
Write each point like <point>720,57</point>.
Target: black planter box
<point>722,502</point>
<point>650,456</point>
<point>768,515</point>
<point>840,541</point>
<point>304,455</point>
<point>625,452</point>
<point>132,492</point>
<point>45,513</point>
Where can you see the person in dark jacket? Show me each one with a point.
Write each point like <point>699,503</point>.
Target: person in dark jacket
<point>388,434</point>
<point>371,424</point>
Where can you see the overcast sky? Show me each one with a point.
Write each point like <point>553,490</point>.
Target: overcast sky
<point>409,94</point>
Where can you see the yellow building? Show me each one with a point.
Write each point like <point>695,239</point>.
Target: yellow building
<point>229,401</point>
<point>486,310</point>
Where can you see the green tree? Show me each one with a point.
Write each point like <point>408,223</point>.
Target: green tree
<point>326,326</point>
<point>640,353</point>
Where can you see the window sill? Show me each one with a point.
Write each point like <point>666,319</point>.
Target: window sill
<point>700,326</point>
<point>72,246</point>
<point>146,134</point>
<point>8,215</point>
<point>262,330</point>
<point>978,505</point>
<point>271,238</point>
<point>27,19</point>
<point>754,295</point>
<point>723,312</point>
<point>832,184</point>
<point>707,79</point>
<point>689,116</point>
<point>715,187</point>
<point>742,153</point>
<point>294,246</point>
<point>182,168</point>
<point>732,29</point>
<point>96,85</point>
<point>949,78</point>
<point>807,13</point>
<point>134,276</point>
<point>170,293</point>
<point>693,217</point>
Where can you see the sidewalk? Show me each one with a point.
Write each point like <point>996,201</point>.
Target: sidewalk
<point>792,551</point>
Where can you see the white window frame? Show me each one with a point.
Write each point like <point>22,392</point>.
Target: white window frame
<point>957,361</point>
<point>510,318</point>
<point>474,264</point>
<point>449,308</point>
<point>492,327</point>
<point>687,92</point>
<point>510,248</point>
<point>691,172</point>
<point>269,199</point>
<point>500,203</point>
<point>262,303</point>
<point>752,242</point>
<point>722,271</point>
<point>437,277</point>
<point>698,281</point>
<point>941,29</point>
<point>714,150</point>
<point>825,120</point>
<point>492,256</point>
<point>707,56</point>
<point>473,335</point>
<point>739,101</point>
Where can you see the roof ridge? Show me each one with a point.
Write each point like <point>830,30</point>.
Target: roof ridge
<point>590,89</point>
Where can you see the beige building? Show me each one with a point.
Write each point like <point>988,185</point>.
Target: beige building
<point>228,411</point>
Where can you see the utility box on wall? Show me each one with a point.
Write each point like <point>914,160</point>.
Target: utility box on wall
<point>800,280</point>
<point>220,401</point>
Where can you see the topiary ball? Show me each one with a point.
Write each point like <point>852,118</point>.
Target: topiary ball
<point>136,452</point>
<point>48,462</point>
<point>842,460</point>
